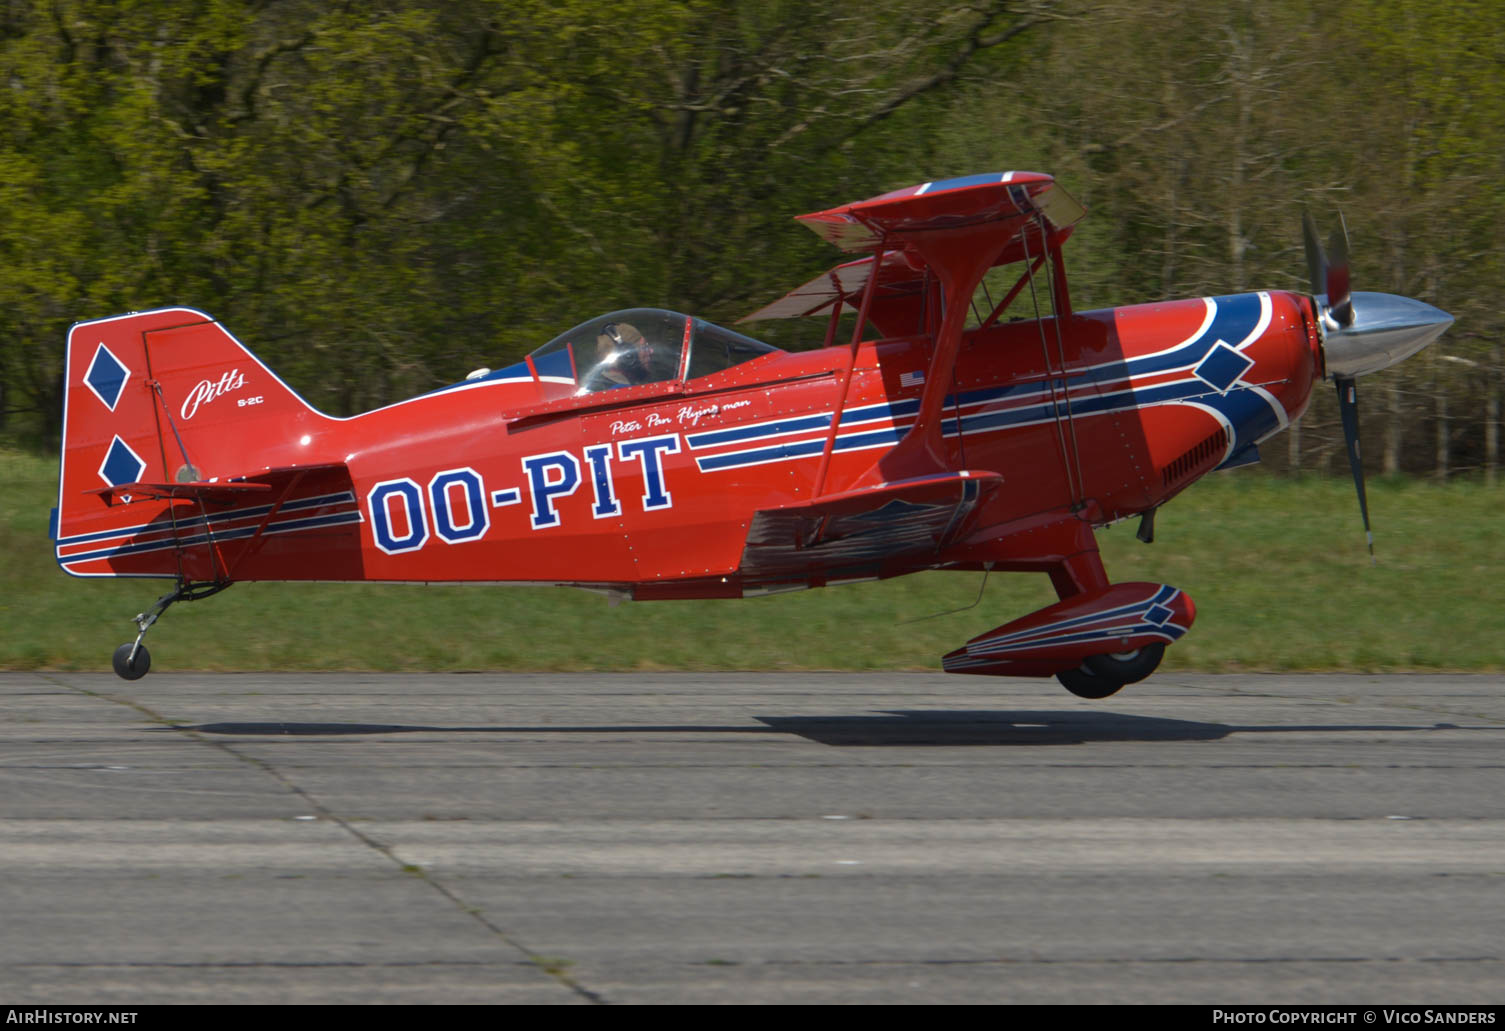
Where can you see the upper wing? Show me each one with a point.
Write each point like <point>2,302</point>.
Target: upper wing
<point>1012,203</point>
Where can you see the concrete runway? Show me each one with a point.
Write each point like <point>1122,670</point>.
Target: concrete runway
<point>750,838</point>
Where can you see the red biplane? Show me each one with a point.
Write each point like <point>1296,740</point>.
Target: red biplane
<point>652,455</point>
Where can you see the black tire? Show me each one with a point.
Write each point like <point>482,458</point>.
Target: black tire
<point>1087,685</point>
<point>128,670</point>
<point>1129,668</point>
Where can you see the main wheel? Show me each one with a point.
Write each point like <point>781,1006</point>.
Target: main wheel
<point>1085,684</point>
<point>127,669</point>
<point>1127,667</point>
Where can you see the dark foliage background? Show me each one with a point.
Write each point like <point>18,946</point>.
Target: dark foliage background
<point>379,196</point>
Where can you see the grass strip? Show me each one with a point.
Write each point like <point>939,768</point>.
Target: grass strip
<point>1278,570</point>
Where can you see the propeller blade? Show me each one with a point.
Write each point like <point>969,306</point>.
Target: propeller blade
<point>1316,261</point>
<point>1329,277</point>
<point>1348,408</point>
<point>1339,300</point>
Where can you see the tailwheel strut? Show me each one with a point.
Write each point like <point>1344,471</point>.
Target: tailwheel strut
<point>132,660</point>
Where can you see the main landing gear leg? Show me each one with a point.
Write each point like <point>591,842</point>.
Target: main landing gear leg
<point>132,660</point>
<point>1066,549</point>
<point>1099,675</point>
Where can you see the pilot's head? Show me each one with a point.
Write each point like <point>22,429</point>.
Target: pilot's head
<point>628,350</point>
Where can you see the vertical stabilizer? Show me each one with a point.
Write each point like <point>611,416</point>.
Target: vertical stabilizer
<point>163,397</point>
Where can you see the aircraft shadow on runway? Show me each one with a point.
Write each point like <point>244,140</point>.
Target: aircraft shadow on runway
<point>891,727</point>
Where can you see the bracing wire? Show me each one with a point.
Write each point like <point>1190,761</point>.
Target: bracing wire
<point>951,612</point>
<point>1055,308</point>
<point>1049,376</point>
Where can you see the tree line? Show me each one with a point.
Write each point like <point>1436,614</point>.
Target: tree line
<point>379,196</point>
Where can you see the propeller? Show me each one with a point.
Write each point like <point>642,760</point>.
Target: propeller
<point>1331,281</point>
<point>1329,278</point>
<point>1361,333</point>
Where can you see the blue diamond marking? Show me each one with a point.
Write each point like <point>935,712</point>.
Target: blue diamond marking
<point>1158,614</point>
<point>106,377</point>
<point>1222,367</point>
<point>121,464</point>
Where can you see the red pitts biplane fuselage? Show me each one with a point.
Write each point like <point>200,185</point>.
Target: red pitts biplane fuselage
<point>698,463</point>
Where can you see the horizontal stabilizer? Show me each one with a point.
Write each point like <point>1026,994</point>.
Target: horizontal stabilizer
<point>289,523</point>
<point>200,490</point>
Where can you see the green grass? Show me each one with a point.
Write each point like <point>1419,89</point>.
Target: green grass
<point>1278,570</point>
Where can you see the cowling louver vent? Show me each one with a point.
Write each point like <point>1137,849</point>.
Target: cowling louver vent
<point>1194,459</point>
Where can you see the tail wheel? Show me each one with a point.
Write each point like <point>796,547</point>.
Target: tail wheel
<point>128,669</point>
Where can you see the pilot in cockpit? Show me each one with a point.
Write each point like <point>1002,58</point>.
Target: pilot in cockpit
<point>624,357</point>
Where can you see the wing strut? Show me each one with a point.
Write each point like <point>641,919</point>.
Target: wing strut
<point>952,229</point>
<point>1025,279</point>
<point>846,382</point>
<point>1072,459</point>
<point>959,257</point>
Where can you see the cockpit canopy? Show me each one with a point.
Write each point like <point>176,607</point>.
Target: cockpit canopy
<point>641,345</point>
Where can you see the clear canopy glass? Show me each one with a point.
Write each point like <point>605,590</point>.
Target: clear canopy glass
<point>641,345</point>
